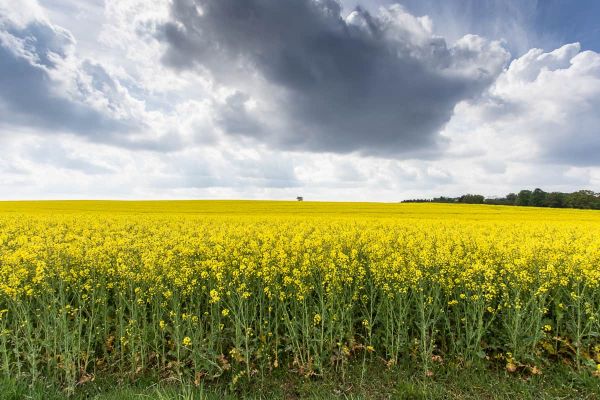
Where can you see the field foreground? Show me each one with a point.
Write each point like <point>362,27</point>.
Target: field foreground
<point>238,292</point>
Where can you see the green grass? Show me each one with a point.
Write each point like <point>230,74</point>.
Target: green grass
<point>378,383</point>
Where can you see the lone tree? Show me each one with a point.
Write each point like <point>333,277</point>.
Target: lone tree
<point>300,198</point>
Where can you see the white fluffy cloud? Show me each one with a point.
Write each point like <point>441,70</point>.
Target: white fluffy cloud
<point>540,110</point>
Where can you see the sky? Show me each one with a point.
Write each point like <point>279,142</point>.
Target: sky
<point>368,100</point>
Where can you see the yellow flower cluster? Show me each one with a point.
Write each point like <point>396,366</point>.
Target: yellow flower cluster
<point>269,279</point>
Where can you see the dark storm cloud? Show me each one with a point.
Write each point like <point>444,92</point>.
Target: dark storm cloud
<point>233,116</point>
<point>361,83</point>
<point>28,94</point>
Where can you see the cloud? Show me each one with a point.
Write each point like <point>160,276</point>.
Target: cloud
<point>45,85</point>
<point>317,81</point>
<point>237,168</point>
<point>35,80</point>
<point>542,109</point>
<point>56,155</point>
<point>510,20</point>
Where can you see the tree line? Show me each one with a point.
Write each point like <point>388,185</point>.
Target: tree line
<point>583,199</point>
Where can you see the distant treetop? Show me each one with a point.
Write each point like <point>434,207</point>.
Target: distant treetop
<point>584,199</point>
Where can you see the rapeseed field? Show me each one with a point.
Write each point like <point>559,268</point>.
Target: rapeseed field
<point>238,289</point>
